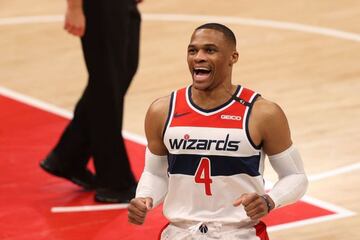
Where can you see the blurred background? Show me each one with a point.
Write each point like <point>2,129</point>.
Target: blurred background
<point>303,55</point>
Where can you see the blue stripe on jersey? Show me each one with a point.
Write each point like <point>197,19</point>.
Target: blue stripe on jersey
<point>220,165</point>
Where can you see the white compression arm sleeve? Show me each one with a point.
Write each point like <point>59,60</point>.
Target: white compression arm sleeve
<point>292,183</point>
<point>154,179</point>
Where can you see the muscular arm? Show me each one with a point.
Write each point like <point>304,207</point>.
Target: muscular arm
<point>284,158</point>
<point>153,181</point>
<point>268,126</point>
<point>155,123</point>
<point>152,186</point>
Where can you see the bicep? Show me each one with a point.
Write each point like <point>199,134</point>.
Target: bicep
<point>276,131</point>
<point>154,125</point>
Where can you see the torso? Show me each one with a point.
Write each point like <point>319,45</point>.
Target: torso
<point>212,159</point>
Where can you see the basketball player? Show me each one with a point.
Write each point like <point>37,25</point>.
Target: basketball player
<point>206,148</point>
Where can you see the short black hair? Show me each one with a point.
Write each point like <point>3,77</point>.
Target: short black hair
<point>221,28</point>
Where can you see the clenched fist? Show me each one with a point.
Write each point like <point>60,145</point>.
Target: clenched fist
<point>138,209</point>
<point>255,205</point>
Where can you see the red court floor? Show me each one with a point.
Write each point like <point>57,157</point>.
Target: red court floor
<point>27,194</point>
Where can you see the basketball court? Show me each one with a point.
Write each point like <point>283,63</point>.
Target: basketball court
<point>304,55</point>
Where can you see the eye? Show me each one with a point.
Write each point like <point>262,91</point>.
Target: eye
<point>191,51</point>
<point>210,50</point>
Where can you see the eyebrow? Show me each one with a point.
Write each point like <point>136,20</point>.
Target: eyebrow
<point>205,45</point>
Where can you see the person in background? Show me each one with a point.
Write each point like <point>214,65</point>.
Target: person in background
<point>110,34</point>
<point>206,150</point>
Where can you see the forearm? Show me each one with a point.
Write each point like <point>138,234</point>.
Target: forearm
<point>74,4</point>
<point>152,186</point>
<point>292,183</point>
<point>154,180</point>
<point>289,189</point>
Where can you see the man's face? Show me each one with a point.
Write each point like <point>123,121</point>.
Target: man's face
<point>210,57</point>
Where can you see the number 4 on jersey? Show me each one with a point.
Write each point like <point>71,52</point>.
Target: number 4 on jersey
<point>202,174</point>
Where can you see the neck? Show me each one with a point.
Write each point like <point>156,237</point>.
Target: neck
<point>208,99</point>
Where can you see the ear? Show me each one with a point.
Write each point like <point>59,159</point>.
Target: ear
<point>234,58</point>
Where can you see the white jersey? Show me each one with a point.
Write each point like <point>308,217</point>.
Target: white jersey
<point>212,160</point>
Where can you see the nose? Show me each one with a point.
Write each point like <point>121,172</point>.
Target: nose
<point>200,56</point>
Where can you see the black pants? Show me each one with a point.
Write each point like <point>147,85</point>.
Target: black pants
<point>111,49</point>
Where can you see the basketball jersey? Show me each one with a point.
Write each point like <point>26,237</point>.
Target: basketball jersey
<point>212,160</point>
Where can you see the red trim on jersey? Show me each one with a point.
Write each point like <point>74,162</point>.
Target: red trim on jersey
<point>246,94</point>
<point>232,116</point>
<point>261,231</point>
<point>162,229</point>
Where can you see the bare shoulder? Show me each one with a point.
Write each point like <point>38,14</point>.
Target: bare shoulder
<point>267,110</point>
<point>160,107</point>
<point>271,125</point>
<point>155,123</point>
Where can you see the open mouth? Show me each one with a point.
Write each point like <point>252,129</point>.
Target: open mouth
<point>201,73</point>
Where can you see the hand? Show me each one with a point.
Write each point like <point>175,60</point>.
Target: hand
<point>75,21</point>
<point>138,209</point>
<point>254,205</point>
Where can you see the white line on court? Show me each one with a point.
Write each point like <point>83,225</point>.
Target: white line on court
<point>308,221</point>
<point>58,111</point>
<point>327,205</point>
<point>338,171</point>
<point>339,213</point>
<point>206,18</point>
<point>257,23</point>
<point>89,208</point>
<point>31,19</point>
<point>35,103</point>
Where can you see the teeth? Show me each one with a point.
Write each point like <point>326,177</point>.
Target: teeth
<point>202,69</point>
